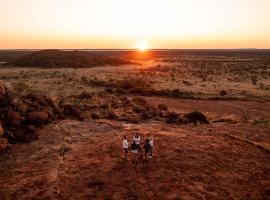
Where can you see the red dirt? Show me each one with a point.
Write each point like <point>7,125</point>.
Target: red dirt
<point>189,163</point>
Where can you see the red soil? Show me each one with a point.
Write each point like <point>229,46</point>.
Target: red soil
<point>189,163</point>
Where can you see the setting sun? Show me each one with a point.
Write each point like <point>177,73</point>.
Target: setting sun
<point>118,24</point>
<point>142,46</point>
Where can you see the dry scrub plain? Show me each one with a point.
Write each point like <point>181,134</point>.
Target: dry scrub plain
<point>75,153</point>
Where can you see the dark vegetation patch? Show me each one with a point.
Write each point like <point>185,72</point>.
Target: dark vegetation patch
<point>223,92</point>
<point>58,58</point>
<point>196,116</point>
<point>231,69</point>
<point>137,87</point>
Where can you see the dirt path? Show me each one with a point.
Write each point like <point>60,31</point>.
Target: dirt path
<point>189,163</point>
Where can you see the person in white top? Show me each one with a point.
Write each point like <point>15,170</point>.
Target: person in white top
<point>152,145</point>
<point>137,140</point>
<point>125,146</point>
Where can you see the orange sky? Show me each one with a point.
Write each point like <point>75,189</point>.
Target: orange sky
<point>131,24</point>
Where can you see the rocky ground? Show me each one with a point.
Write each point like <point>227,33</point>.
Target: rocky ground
<point>61,130</point>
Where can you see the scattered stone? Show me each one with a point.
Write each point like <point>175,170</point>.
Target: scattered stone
<point>3,144</point>
<point>1,130</point>
<point>85,95</point>
<point>14,118</point>
<point>132,118</point>
<point>111,115</point>
<point>37,117</point>
<point>95,116</point>
<point>18,104</point>
<point>3,92</point>
<point>139,109</point>
<point>22,135</point>
<point>139,101</point>
<point>72,110</point>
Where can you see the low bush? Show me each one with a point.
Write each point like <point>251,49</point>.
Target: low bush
<point>223,93</point>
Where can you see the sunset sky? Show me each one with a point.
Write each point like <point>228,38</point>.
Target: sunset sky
<point>134,24</point>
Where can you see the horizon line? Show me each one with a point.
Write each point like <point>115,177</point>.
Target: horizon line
<point>128,49</point>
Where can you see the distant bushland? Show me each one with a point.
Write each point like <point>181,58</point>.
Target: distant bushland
<point>59,58</point>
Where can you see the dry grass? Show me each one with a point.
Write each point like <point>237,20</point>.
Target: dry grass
<point>64,148</point>
<point>227,119</point>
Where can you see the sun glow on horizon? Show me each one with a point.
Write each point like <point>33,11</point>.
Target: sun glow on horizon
<point>142,45</point>
<point>123,23</point>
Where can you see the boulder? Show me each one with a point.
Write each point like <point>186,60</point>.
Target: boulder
<point>50,113</point>
<point>139,109</point>
<point>139,101</point>
<point>51,102</point>
<point>33,106</point>
<point>163,114</point>
<point>84,95</point>
<point>111,114</point>
<point>95,116</point>
<point>1,130</point>
<point>3,144</point>
<point>72,110</point>
<point>42,101</point>
<point>18,104</point>
<point>150,114</point>
<point>22,135</point>
<point>14,118</point>
<point>132,118</point>
<point>60,116</point>
<point>36,117</point>
<point>3,92</point>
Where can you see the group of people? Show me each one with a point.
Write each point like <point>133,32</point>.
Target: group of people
<point>135,148</point>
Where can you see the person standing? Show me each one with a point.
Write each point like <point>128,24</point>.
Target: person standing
<point>125,146</point>
<point>137,140</point>
<point>152,145</point>
<point>147,148</point>
<point>134,151</point>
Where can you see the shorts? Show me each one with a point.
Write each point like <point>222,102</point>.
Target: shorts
<point>126,150</point>
<point>134,151</point>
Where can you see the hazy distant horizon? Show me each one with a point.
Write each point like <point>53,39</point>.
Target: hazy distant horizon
<point>134,49</point>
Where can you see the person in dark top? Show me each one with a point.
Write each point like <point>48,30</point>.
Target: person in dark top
<point>147,149</point>
<point>134,151</point>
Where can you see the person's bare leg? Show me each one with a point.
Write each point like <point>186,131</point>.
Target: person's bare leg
<point>133,158</point>
<point>147,157</point>
<point>126,154</point>
<point>136,157</point>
